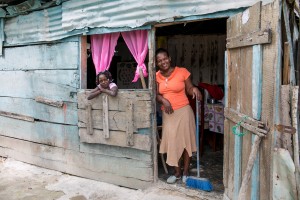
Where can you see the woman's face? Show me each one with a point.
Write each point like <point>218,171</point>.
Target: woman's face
<point>163,61</point>
<point>104,82</point>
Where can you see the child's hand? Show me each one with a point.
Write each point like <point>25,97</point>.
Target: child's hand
<point>100,88</point>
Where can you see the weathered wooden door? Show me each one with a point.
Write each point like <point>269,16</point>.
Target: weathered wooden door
<point>250,66</point>
<point>118,129</point>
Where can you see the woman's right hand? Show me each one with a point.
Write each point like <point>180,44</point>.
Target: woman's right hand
<point>168,107</point>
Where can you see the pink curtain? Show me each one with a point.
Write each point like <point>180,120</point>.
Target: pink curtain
<point>103,48</point>
<point>137,42</point>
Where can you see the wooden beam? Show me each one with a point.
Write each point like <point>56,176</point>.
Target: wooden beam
<point>226,124</point>
<point>152,89</point>
<point>116,151</point>
<point>105,117</point>
<point>129,131</point>
<point>49,102</point>
<point>289,37</point>
<point>254,130</point>
<point>83,62</point>
<point>246,177</point>
<point>117,119</point>
<point>17,116</point>
<point>90,120</point>
<point>236,117</point>
<point>116,138</point>
<point>257,37</point>
<point>286,64</point>
<point>237,164</point>
<point>142,78</point>
<point>142,98</point>
<point>295,122</point>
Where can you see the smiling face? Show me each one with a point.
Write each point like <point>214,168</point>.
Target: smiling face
<point>163,61</point>
<point>104,81</point>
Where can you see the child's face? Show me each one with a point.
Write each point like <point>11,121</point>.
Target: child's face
<point>104,82</point>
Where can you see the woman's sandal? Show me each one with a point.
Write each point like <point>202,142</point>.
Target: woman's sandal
<point>184,179</point>
<point>172,179</point>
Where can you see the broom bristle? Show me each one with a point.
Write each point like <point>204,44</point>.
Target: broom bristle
<point>199,183</point>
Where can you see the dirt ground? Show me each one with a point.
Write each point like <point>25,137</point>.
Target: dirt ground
<point>21,181</point>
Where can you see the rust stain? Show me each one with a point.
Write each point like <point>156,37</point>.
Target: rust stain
<point>65,112</point>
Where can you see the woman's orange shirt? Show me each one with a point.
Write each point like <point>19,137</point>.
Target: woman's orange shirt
<point>173,87</point>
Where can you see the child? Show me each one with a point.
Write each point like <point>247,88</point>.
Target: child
<point>104,85</point>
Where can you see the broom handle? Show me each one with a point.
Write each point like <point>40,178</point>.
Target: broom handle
<point>197,138</point>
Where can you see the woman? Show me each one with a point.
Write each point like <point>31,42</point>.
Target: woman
<point>104,85</point>
<point>178,135</point>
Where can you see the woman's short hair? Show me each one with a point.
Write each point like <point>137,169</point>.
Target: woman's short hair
<point>161,50</point>
<point>106,73</point>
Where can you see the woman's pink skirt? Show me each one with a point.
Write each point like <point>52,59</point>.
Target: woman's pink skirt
<point>178,133</point>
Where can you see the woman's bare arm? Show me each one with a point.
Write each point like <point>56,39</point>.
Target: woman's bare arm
<point>191,89</point>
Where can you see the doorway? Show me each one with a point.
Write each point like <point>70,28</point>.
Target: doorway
<point>199,47</point>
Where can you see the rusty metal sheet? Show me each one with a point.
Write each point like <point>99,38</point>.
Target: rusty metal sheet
<point>39,26</point>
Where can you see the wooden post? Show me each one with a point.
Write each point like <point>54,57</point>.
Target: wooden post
<point>129,130</point>
<point>286,64</point>
<point>16,116</point>
<point>50,102</point>
<point>142,79</point>
<point>83,62</point>
<point>252,157</point>
<point>295,114</point>
<point>89,120</point>
<point>105,116</point>
<point>226,124</point>
<point>289,37</point>
<point>152,88</point>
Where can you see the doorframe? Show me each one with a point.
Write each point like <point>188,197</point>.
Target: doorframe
<point>152,69</point>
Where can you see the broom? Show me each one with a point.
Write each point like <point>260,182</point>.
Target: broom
<point>197,182</point>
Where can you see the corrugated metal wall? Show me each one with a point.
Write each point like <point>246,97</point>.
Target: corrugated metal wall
<point>78,14</point>
<point>45,25</point>
<point>93,16</point>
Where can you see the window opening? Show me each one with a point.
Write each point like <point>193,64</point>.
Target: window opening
<point>122,67</point>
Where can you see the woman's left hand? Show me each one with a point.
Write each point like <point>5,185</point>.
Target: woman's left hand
<point>197,94</point>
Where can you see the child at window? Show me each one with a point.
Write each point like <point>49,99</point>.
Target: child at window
<point>104,85</point>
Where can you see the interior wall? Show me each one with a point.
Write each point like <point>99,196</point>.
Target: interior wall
<point>202,55</point>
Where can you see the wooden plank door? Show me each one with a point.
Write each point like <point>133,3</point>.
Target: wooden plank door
<point>250,65</point>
